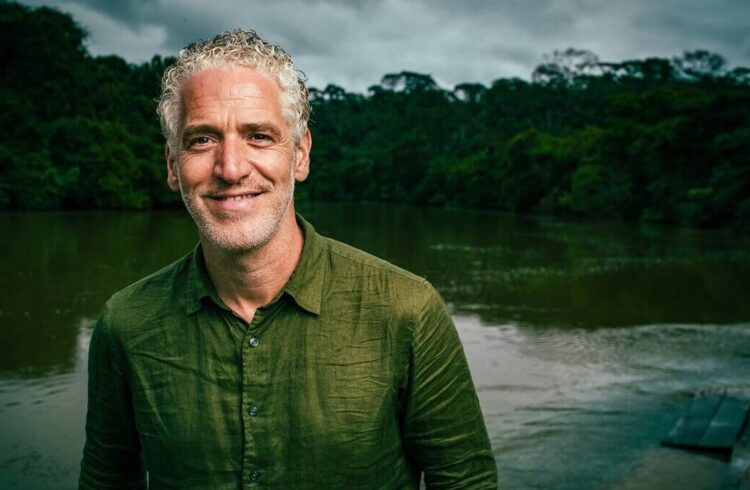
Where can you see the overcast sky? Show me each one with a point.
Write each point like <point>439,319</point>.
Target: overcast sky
<point>353,43</point>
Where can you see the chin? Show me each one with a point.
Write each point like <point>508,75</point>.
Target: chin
<point>238,233</point>
<point>239,237</point>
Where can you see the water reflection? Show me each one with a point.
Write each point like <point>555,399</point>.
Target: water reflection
<point>545,272</point>
<point>585,339</point>
<point>41,422</point>
<point>60,267</point>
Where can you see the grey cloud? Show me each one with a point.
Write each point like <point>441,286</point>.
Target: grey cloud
<point>353,43</point>
<point>189,20</point>
<point>704,30</point>
<point>132,12</point>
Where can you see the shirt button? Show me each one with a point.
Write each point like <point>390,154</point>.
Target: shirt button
<point>253,342</point>
<point>252,410</point>
<point>254,475</point>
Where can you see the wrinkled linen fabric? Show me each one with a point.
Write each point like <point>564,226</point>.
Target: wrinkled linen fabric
<point>352,377</point>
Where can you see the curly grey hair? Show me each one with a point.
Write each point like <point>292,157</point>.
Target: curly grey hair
<point>238,47</point>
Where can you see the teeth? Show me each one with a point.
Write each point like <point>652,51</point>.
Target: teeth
<point>239,198</point>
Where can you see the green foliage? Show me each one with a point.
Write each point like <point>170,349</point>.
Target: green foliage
<point>79,132</point>
<point>656,140</point>
<point>665,140</point>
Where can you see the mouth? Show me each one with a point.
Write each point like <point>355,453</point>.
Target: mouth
<point>234,197</point>
<point>231,202</point>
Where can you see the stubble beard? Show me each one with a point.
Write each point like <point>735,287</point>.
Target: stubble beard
<point>244,233</point>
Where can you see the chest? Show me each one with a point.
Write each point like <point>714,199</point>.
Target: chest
<point>216,390</point>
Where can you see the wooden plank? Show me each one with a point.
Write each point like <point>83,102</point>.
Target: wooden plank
<point>724,430</point>
<point>713,422</point>
<point>690,428</point>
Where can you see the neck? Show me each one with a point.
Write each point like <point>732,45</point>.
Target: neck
<point>249,279</point>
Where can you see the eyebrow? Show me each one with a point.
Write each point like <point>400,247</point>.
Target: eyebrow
<point>263,127</point>
<point>191,131</point>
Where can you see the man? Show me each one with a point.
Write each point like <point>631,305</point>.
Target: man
<point>270,356</point>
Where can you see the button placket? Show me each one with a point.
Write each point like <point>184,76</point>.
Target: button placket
<point>256,382</point>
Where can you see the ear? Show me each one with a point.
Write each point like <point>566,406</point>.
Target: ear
<point>173,180</point>
<point>302,162</point>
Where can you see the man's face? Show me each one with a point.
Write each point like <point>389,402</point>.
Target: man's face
<point>236,163</point>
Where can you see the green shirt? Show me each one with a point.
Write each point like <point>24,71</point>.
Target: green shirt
<point>353,377</point>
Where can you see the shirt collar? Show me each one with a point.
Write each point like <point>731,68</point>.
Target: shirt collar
<point>305,285</point>
<point>198,284</point>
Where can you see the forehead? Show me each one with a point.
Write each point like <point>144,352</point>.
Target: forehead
<point>230,89</point>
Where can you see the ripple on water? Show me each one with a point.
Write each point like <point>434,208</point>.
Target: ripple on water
<point>590,406</point>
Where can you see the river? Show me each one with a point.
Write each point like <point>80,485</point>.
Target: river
<point>586,339</point>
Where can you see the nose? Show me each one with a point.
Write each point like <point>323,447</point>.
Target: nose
<point>232,163</point>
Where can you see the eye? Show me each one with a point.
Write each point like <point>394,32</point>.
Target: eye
<point>199,140</point>
<point>195,142</point>
<point>261,139</point>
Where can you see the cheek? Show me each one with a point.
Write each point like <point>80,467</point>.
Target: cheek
<point>195,168</point>
<point>273,163</point>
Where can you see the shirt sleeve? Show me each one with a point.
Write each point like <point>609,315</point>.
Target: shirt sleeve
<point>111,455</point>
<point>444,429</point>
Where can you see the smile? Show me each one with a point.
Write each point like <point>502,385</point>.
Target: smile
<point>239,197</point>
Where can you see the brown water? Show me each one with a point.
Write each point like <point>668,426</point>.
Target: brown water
<point>586,340</point>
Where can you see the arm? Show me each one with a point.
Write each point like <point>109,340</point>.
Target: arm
<point>111,456</point>
<point>444,430</point>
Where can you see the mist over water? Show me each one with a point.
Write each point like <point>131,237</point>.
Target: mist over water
<point>586,340</point>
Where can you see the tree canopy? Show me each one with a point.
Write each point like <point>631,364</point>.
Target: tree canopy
<point>663,140</point>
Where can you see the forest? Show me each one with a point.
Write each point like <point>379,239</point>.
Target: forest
<point>653,140</point>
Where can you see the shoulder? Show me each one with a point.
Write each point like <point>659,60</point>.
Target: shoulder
<point>154,295</point>
<point>153,288</point>
<point>359,272</point>
<point>349,257</point>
